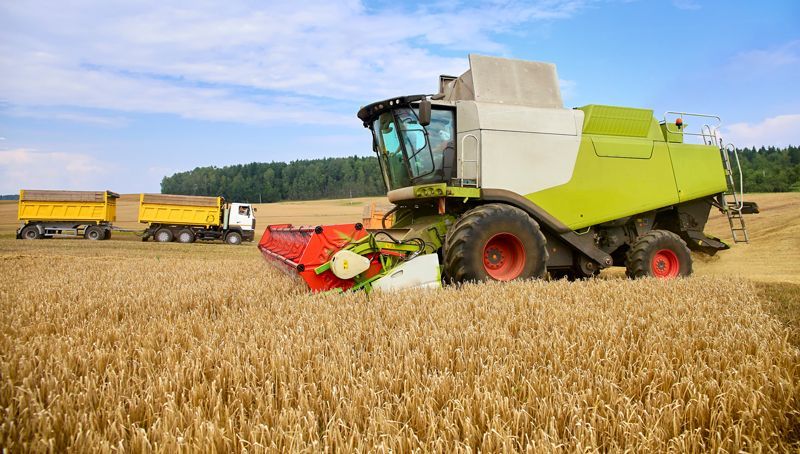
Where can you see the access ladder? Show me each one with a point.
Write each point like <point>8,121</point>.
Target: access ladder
<point>732,200</point>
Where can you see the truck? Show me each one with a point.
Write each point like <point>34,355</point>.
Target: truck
<point>492,178</point>
<point>46,213</point>
<point>186,218</point>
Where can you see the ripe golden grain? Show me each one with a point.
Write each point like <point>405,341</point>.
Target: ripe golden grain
<point>165,347</point>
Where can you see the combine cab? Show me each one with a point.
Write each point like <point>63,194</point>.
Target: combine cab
<point>493,179</point>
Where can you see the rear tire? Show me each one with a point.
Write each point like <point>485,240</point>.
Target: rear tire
<point>94,233</point>
<point>163,235</point>
<point>185,236</point>
<point>30,232</point>
<point>658,253</point>
<point>233,238</point>
<point>108,234</point>
<point>495,242</point>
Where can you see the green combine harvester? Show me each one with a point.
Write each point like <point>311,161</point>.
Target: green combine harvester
<point>493,179</point>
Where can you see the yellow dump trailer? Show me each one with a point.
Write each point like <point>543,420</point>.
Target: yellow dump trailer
<point>179,209</point>
<point>45,213</point>
<point>186,218</point>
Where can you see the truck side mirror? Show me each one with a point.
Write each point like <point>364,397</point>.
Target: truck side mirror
<point>424,112</point>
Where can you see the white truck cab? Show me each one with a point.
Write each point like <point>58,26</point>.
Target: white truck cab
<point>242,217</point>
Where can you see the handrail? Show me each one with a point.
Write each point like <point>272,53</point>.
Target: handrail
<point>691,115</point>
<point>738,200</point>
<point>476,160</point>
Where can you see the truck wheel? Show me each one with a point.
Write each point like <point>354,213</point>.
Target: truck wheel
<point>94,233</point>
<point>233,238</point>
<point>658,253</point>
<point>495,242</point>
<point>30,232</point>
<point>185,236</point>
<point>163,235</point>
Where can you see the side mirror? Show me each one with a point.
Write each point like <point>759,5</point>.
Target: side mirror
<point>424,112</point>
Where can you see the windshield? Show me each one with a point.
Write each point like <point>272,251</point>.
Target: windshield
<point>410,153</point>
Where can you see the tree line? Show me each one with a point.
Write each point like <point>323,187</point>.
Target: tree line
<point>329,178</point>
<point>766,169</point>
<point>771,169</point>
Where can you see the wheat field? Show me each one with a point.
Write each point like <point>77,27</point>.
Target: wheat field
<point>130,346</point>
<point>142,350</point>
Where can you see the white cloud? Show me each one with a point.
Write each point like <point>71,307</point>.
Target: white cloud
<point>780,131</point>
<point>767,61</point>
<point>269,62</point>
<point>67,115</point>
<point>23,168</point>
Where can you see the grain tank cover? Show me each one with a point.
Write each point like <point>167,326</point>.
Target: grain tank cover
<point>506,81</point>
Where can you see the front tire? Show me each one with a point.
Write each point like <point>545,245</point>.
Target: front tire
<point>30,232</point>
<point>233,238</point>
<point>658,253</point>
<point>495,242</point>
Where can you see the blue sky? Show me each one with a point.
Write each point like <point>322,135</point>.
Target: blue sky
<point>116,95</point>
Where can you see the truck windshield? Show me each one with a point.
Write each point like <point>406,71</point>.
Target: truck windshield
<point>410,153</point>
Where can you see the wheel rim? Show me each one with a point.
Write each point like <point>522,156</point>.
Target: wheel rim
<point>30,234</point>
<point>162,237</point>
<point>93,235</point>
<point>665,264</point>
<point>504,257</point>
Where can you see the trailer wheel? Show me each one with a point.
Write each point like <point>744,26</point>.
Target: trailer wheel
<point>30,232</point>
<point>108,234</point>
<point>495,242</point>
<point>163,235</point>
<point>185,236</point>
<point>233,238</point>
<point>94,233</point>
<point>658,253</point>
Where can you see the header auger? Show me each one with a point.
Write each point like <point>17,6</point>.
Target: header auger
<point>493,179</point>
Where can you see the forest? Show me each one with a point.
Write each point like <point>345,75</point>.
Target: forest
<point>329,178</point>
<point>766,169</point>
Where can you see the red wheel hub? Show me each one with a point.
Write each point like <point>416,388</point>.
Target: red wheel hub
<point>504,257</point>
<point>665,264</point>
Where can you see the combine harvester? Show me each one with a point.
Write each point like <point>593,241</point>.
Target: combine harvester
<point>493,179</point>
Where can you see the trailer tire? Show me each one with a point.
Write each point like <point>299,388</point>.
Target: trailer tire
<point>495,242</point>
<point>163,235</point>
<point>108,234</point>
<point>233,238</point>
<point>185,236</point>
<point>94,233</point>
<point>658,253</point>
<point>30,232</point>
